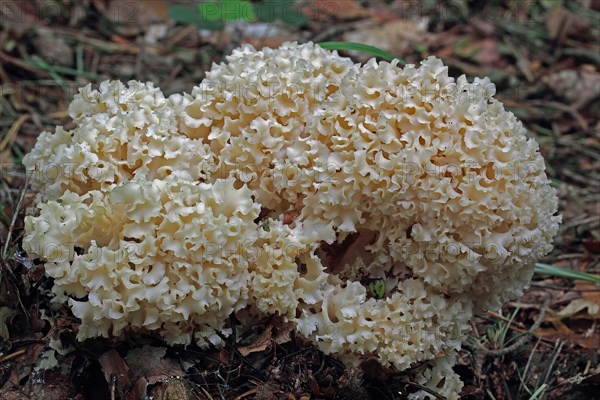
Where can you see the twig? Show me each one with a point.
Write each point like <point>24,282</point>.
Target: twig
<point>3,258</point>
<point>528,365</point>
<point>498,316</point>
<point>12,355</point>
<point>566,108</point>
<point>12,133</point>
<point>113,386</point>
<point>574,380</point>
<point>23,65</point>
<point>565,288</point>
<point>553,361</point>
<point>240,355</point>
<point>14,220</point>
<point>205,392</point>
<point>247,393</point>
<point>522,384</point>
<point>481,354</point>
<point>336,30</point>
<point>180,35</point>
<point>521,341</point>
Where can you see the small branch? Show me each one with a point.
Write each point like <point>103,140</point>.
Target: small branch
<point>12,355</point>
<point>14,221</point>
<point>524,338</point>
<point>481,354</point>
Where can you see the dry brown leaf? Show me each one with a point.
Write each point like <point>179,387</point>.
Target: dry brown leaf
<point>8,393</point>
<point>576,306</point>
<point>263,391</point>
<point>592,245</point>
<point>6,313</point>
<point>581,314</point>
<point>52,48</point>
<point>397,37</point>
<point>484,51</point>
<point>561,22</point>
<point>56,385</point>
<point>258,34</point>
<point>283,330</point>
<point>337,10</point>
<point>6,161</point>
<point>563,332</point>
<point>576,87</point>
<point>589,291</point>
<point>314,385</point>
<point>261,343</point>
<point>22,366</point>
<point>138,391</point>
<point>149,366</point>
<point>134,16</point>
<point>51,385</point>
<point>115,370</point>
<point>150,362</point>
<point>278,331</point>
<point>172,389</point>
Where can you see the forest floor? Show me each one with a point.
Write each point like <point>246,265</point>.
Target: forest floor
<point>543,56</point>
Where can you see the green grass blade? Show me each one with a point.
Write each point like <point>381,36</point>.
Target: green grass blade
<point>546,269</point>
<point>56,69</point>
<point>362,48</point>
<point>538,392</point>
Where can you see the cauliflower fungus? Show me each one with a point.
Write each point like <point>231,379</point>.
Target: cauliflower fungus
<point>287,182</point>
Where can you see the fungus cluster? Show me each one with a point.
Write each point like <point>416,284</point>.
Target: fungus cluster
<point>290,181</point>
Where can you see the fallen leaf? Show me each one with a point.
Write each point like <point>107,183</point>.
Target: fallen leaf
<point>575,307</point>
<point>115,370</point>
<point>589,291</point>
<point>314,385</point>
<point>150,362</point>
<point>283,330</point>
<point>397,37</point>
<point>261,343</point>
<point>51,385</point>
<point>277,331</point>
<point>6,161</point>
<point>138,391</point>
<point>9,393</point>
<point>5,314</point>
<point>580,329</point>
<point>592,245</point>
<point>24,365</point>
<point>563,332</point>
<point>561,22</point>
<point>258,34</point>
<point>576,87</point>
<point>52,48</point>
<point>336,10</point>
<point>172,389</point>
<point>483,51</point>
<point>133,16</point>
<point>265,391</point>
